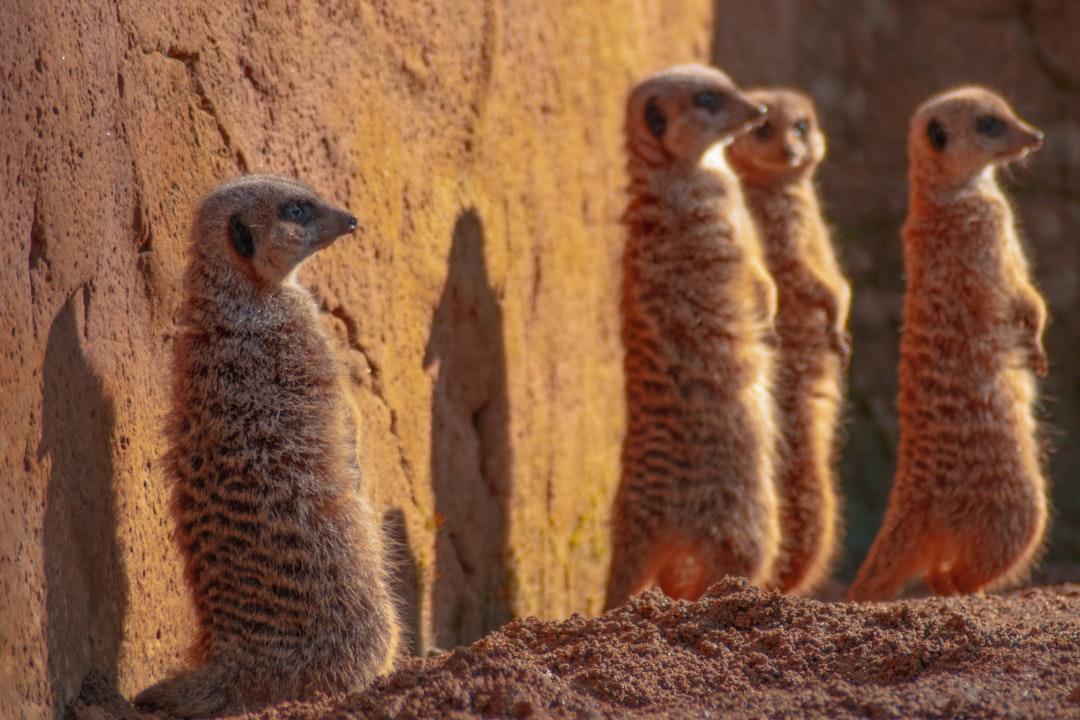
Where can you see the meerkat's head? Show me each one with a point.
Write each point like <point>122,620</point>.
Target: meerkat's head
<point>788,144</point>
<point>959,133</point>
<point>680,113</point>
<point>267,225</point>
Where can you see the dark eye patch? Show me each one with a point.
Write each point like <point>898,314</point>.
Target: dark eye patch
<point>936,134</point>
<point>654,118</point>
<point>709,101</point>
<point>240,235</point>
<point>990,125</point>
<point>296,211</point>
<point>764,131</point>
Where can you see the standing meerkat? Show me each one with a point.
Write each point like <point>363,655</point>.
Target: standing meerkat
<point>776,162</point>
<point>281,552</point>
<point>968,505</point>
<point>696,501</point>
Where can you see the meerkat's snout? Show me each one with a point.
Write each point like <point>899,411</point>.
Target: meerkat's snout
<point>342,223</point>
<point>1023,140</point>
<point>758,113</point>
<point>1033,138</point>
<point>334,224</point>
<point>745,112</point>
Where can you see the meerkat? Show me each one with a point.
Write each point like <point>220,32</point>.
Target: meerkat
<point>281,552</point>
<point>968,505</point>
<point>776,162</point>
<point>696,499</point>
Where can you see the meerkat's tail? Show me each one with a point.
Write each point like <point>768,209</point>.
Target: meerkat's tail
<point>204,691</point>
<point>896,555</point>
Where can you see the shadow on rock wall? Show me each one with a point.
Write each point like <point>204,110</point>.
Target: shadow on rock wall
<point>86,583</point>
<point>470,449</point>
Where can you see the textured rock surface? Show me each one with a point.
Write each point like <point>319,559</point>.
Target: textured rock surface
<point>738,653</point>
<point>868,65</point>
<point>479,143</point>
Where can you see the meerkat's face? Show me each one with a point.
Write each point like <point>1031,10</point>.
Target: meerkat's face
<point>788,143</point>
<point>268,224</point>
<point>687,110</point>
<point>963,131</point>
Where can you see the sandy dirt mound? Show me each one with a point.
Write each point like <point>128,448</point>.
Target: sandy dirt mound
<point>739,652</point>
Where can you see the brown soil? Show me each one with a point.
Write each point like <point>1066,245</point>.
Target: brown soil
<point>739,652</point>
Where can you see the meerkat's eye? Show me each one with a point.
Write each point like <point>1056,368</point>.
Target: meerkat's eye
<point>936,135</point>
<point>990,125</point>
<point>709,101</point>
<point>764,131</point>
<point>802,127</point>
<point>297,211</point>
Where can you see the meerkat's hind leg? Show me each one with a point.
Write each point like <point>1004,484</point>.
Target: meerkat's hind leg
<point>204,691</point>
<point>685,569</point>
<point>677,568</point>
<point>994,564</point>
<point>684,575</point>
<point>939,579</point>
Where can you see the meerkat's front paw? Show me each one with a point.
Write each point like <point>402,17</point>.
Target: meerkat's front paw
<point>840,343</point>
<point>1039,363</point>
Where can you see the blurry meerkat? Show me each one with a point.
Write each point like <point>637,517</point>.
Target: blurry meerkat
<point>776,162</point>
<point>696,500</point>
<point>968,505</point>
<point>282,553</point>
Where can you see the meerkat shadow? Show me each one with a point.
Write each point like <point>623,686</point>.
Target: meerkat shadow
<point>86,583</point>
<point>470,448</point>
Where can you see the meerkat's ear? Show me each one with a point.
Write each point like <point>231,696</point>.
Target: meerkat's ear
<point>654,118</point>
<point>240,234</point>
<point>936,134</point>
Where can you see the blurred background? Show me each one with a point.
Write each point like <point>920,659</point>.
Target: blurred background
<point>868,64</point>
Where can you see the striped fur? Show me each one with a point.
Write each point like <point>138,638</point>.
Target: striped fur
<point>968,506</point>
<point>696,500</point>
<point>776,164</point>
<point>282,554</point>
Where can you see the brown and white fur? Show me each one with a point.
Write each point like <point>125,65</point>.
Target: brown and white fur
<point>776,162</point>
<point>696,501</point>
<point>282,554</point>
<point>968,505</point>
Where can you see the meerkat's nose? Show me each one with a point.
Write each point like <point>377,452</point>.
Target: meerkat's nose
<point>758,115</point>
<point>744,112</point>
<point>1036,140</point>
<point>351,222</point>
<point>1031,137</point>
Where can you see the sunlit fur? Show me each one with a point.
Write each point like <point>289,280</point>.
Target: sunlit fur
<point>776,163</point>
<point>282,554</point>
<point>696,501</point>
<point>968,505</point>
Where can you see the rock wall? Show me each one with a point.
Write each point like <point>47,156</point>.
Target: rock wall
<point>480,144</point>
<point>868,65</point>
